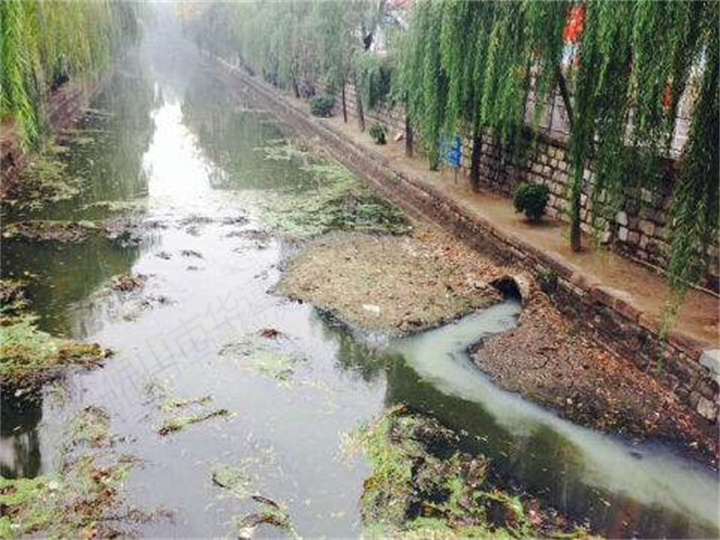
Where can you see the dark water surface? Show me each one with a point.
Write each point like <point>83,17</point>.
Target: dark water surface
<point>177,145</point>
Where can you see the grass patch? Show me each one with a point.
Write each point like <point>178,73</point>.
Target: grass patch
<point>29,356</point>
<point>423,487</point>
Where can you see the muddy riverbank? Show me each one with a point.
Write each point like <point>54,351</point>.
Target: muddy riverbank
<point>392,284</point>
<point>555,362</point>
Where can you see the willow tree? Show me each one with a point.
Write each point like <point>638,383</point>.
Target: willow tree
<point>478,63</point>
<point>635,62</point>
<point>42,44</point>
<point>338,46</point>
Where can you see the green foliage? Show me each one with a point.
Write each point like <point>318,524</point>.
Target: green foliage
<point>378,133</point>
<point>45,42</point>
<point>322,106</point>
<point>475,64</point>
<point>695,198</point>
<point>373,76</point>
<point>532,199</point>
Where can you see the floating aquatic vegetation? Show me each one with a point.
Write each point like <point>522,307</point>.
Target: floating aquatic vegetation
<point>44,180</point>
<point>67,232</point>
<point>84,498</point>
<point>29,356</point>
<point>128,282</point>
<point>235,480</point>
<point>422,486</point>
<point>191,253</point>
<point>177,414</point>
<point>12,297</point>
<point>268,352</point>
<point>334,200</point>
<point>173,425</point>
<point>238,483</point>
<point>288,150</point>
<point>116,206</point>
<point>272,514</point>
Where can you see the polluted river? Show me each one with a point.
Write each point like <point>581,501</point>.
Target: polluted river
<point>169,147</point>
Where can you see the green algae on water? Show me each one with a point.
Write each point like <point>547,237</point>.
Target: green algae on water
<point>273,357</point>
<point>178,414</point>
<point>422,486</point>
<point>29,356</point>
<point>333,200</point>
<point>84,499</point>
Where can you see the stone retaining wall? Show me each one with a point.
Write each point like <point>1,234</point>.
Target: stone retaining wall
<point>638,231</point>
<point>615,322</point>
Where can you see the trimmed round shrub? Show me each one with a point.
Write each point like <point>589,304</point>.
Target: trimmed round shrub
<point>322,106</point>
<point>378,133</point>
<point>532,199</point>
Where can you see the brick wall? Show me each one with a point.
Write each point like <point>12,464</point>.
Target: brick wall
<point>639,230</point>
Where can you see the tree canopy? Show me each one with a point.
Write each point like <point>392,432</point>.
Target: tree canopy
<point>44,43</point>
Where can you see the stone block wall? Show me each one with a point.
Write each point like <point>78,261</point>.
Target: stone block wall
<point>639,230</point>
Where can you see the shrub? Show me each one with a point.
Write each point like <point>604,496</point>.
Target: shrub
<point>532,199</point>
<point>322,106</point>
<point>378,133</point>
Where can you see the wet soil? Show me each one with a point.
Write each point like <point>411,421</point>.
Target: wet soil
<point>391,283</point>
<point>554,362</point>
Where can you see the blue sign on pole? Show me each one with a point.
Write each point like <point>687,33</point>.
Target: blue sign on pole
<point>452,153</point>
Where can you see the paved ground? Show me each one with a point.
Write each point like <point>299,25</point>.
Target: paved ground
<point>647,290</point>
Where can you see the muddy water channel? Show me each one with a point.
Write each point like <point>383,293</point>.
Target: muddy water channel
<point>176,152</point>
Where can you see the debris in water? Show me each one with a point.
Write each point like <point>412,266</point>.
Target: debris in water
<point>271,513</point>
<point>128,282</point>
<point>233,479</point>
<point>169,406</point>
<point>191,253</point>
<point>66,232</point>
<point>270,333</point>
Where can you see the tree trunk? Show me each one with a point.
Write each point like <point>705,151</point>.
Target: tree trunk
<point>344,104</point>
<point>575,230</point>
<point>476,155</point>
<point>360,113</point>
<point>408,137</point>
<point>565,94</point>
